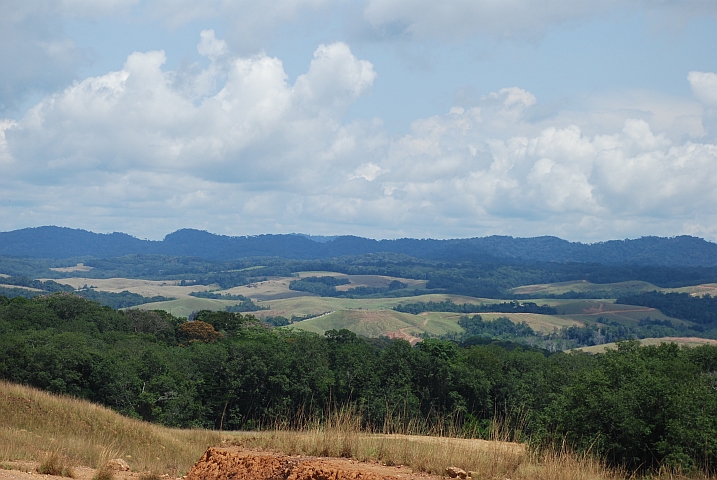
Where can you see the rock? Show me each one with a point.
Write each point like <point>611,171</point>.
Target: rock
<point>455,472</point>
<point>118,465</point>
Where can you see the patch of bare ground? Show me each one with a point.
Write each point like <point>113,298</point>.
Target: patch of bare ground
<point>25,470</point>
<point>237,462</point>
<point>80,267</point>
<point>7,285</point>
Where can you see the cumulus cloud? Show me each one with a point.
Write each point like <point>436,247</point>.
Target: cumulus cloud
<point>143,150</point>
<point>256,126</point>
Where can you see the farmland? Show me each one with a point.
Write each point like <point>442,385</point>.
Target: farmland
<point>375,317</point>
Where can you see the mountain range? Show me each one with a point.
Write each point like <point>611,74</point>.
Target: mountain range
<point>61,242</point>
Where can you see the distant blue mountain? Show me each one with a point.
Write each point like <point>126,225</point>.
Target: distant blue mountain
<point>61,242</point>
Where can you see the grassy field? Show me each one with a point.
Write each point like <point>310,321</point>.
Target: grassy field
<point>376,323</point>
<point>706,289</point>
<point>147,288</point>
<point>631,287</point>
<point>35,425</point>
<point>583,286</point>
<point>539,323</point>
<point>682,341</point>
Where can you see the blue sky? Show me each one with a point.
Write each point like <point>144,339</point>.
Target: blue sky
<point>587,120</point>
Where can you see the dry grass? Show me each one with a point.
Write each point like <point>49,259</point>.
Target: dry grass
<point>35,426</point>
<point>341,435</point>
<point>54,465</point>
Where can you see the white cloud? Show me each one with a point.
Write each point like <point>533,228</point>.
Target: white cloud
<point>368,171</point>
<point>256,126</point>
<point>237,149</point>
<point>704,86</point>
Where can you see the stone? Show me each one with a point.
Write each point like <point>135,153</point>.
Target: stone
<point>118,465</point>
<point>455,472</point>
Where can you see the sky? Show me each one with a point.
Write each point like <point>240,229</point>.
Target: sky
<point>590,120</point>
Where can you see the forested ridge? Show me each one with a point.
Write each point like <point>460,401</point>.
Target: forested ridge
<point>638,406</point>
<point>58,242</point>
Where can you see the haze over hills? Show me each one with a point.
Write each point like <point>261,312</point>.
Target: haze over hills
<point>62,242</point>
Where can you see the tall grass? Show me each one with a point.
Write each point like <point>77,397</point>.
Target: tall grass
<point>343,433</point>
<point>35,425</point>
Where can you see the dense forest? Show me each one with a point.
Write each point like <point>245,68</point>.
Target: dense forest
<point>56,242</point>
<point>326,287</point>
<point>638,406</point>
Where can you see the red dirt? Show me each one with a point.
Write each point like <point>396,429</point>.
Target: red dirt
<point>237,463</point>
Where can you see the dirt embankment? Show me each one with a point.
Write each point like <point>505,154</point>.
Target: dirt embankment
<point>237,463</point>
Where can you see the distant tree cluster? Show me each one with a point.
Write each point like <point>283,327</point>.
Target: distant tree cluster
<point>449,306</point>
<point>702,310</point>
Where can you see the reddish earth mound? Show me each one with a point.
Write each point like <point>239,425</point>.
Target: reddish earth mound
<point>236,463</point>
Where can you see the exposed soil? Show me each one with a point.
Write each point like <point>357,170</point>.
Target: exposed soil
<point>238,463</point>
<point>28,471</point>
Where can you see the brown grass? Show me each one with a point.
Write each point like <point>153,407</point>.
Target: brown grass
<point>35,425</point>
<point>54,464</point>
<point>341,435</point>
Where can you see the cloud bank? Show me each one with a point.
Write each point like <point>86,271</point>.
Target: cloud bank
<point>235,148</point>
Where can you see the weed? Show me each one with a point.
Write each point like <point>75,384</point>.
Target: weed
<point>104,473</point>
<point>53,465</point>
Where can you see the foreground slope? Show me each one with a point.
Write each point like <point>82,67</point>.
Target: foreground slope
<point>34,423</point>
